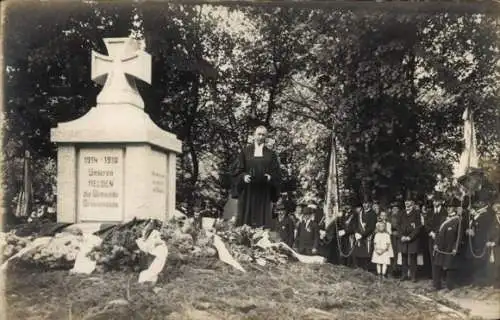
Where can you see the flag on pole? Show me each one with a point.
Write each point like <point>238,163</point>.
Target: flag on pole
<point>24,197</point>
<point>331,208</point>
<point>469,158</point>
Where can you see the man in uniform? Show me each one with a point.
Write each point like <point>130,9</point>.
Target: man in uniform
<point>480,221</point>
<point>395,218</point>
<point>425,214</point>
<point>446,243</point>
<point>307,239</point>
<point>409,229</point>
<point>345,233</point>
<point>494,246</point>
<point>436,215</point>
<point>364,227</point>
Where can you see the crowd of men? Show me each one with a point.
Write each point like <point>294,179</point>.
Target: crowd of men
<point>455,241</point>
<point>449,236</point>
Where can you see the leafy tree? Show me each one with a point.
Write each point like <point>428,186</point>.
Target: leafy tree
<point>390,86</point>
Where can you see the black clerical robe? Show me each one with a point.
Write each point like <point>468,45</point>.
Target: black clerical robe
<point>255,198</point>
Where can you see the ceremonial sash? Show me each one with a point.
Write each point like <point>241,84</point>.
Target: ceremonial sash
<point>369,242</point>
<point>478,213</point>
<point>348,220</point>
<point>363,228</point>
<point>361,221</point>
<point>308,223</point>
<point>351,241</point>
<point>445,222</point>
<point>492,252</point>
<point>362,225</point>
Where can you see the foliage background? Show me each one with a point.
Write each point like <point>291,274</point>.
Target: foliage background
<point>391,86</point>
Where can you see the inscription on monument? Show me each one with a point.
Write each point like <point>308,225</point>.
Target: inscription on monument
<point>100,184</point>
<point>158,181</point>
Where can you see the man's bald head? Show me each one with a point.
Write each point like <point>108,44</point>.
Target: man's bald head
<point>261,128</point>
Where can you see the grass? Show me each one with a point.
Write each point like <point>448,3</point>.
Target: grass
<point>208,289</point>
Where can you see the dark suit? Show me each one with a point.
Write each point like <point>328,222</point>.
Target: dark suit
<point>395,241</point>
<point>431,224</point>
<point>476,252</point>
<point>328,245</point>
<point>364,224</point>
<point>287,230</point>
<point>346,242</point>
<point>410,225</point>
<point>494,261</point>
<point>444,258</point>
<point>307,237</point>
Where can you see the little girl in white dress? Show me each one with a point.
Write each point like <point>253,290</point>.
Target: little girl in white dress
<point>382,249</point>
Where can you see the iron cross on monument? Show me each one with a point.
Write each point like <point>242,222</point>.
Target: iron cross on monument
<point>125,60</point>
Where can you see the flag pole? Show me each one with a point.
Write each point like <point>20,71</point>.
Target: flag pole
<point>336,203</point>
<point>332,192</point>
<point>27,183</point>
<point>471,140</point>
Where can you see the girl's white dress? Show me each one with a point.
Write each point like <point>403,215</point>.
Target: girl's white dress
<point>382,240</point>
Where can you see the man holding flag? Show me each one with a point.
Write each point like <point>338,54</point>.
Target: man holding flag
<point>479,192</point>
<point>364,228</point>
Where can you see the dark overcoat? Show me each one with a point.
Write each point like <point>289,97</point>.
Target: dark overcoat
<point>347,223</point>
<point>410,225</point>
<point>481,225</point>
<point>494,237</point>
<point>307,236</point>
<point>431,224</point>
<point>446,240</point>
<point>287,230</point>
<point>364,223</point>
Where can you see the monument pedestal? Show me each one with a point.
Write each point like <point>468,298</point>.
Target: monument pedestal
<point>115,170</point>
<point>114,163</point>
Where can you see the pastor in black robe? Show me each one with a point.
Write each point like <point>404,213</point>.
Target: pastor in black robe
<point>255,198</point>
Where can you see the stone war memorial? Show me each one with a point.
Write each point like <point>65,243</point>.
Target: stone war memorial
<point>114,163</point>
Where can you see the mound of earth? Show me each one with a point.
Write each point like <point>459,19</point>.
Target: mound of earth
<point>209,289</point>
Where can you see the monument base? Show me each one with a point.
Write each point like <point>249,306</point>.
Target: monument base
<point>114,183</point>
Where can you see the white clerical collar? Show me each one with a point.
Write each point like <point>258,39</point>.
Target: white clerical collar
<point>258,150</point>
